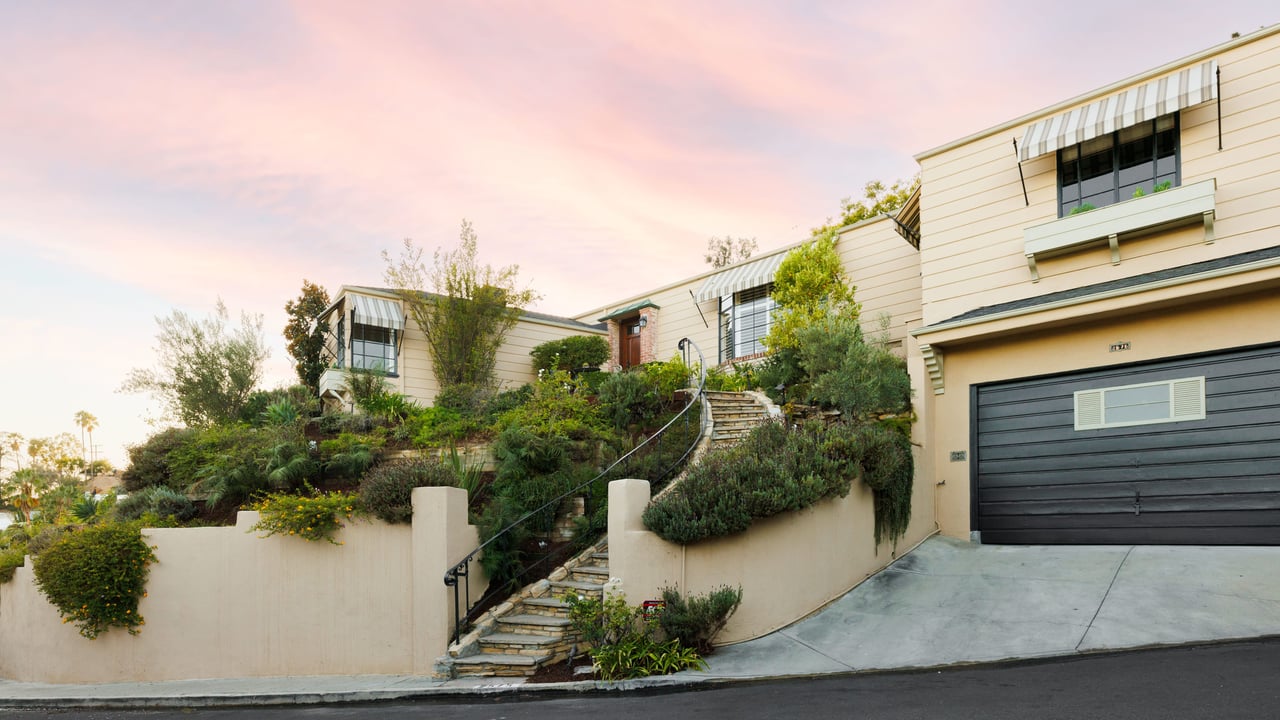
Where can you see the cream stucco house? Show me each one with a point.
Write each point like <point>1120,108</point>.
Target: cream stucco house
<point>1086,298</point>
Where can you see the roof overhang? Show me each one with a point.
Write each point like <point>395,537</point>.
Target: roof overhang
<point>625,310</point>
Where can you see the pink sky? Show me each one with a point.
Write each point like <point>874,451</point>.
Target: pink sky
<point>162,155</point>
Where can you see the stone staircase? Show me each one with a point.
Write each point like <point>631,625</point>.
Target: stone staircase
<point>531,629</point>
<point>735,414</point>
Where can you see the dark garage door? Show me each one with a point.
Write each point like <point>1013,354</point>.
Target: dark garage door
<point>1211,481</point>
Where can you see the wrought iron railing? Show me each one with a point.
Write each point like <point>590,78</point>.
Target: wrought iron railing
<point>459,576</point>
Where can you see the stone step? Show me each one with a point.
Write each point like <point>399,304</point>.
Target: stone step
<point>601,556</point>
<point>550,606</point>
<point>519,644</point>
<point>537,624</point>
<point>499,664</point>
<point>591,572</point>
<point>578,586</point>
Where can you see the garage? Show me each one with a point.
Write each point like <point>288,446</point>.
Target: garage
<point>1183,450</point>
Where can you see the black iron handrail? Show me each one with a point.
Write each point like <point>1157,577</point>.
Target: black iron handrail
<point>463,567</point>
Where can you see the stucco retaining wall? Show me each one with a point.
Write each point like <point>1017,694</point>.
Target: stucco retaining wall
<point>223,602</point>
<point>788,566</point>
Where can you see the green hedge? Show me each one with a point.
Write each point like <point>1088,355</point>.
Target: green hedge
<point>776,470</point>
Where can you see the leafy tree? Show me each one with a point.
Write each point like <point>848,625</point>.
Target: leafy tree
<point>470,310</point>
<point>206,371</point>
<point>23,490</point>
<point>876,200</point>
<point>305,333</point>
<point>11,446</point>
<point>725,251</point>
<point>809,285</point>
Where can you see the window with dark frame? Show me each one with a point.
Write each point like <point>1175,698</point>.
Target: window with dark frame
<point>373,348</point>
<point>745,323</point>
<point>1115,167</point>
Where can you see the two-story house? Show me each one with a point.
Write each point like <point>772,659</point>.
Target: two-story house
<point>1101,319</point>
<point>1086,297</point>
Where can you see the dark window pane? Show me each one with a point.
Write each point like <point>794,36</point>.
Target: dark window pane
<point>1070,174</point>
<point>1098,185</point>
<point>1137,173</point>
<point>1167,166</point>
<point>1167,143</point>
<point>1137,152</point>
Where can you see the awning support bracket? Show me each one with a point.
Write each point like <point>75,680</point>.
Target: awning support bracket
<point>1023,178</point>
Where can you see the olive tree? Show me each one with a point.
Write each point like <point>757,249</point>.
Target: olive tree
<point>205,369</point>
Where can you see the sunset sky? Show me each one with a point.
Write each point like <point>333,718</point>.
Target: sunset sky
<point>162,155</point>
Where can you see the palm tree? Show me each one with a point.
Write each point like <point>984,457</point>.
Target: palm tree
<point>23,490</point>
<point>87,423</point>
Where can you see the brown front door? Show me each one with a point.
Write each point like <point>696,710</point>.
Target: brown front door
<point>630,354</point>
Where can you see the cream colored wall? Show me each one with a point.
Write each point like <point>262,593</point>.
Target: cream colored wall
<point>882,266</point>
<point>973,212</point>
<point>222,602</point>
<point>885,271</point>
<point>788,566</point>
<point>514,367</point>
<point>1082,340</point>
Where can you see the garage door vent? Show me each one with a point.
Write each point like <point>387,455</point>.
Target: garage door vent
<point>1142,404</point>
<point>1188,399</point>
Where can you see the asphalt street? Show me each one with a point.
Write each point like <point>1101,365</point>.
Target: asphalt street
<point>1234,680</point>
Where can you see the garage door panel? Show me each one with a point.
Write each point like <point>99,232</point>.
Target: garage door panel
<point>1249,426</point>
<point>1161,510</point>
<point>1136,458</point>
<point>1230,535</point>
<point>1215,480</point>
<point>1060,427</point>
<point>1148,488</point>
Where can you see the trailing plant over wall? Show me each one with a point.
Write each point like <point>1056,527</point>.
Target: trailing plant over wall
<point>313,518</point>
<point>96,577</point>
<point>570,353</point>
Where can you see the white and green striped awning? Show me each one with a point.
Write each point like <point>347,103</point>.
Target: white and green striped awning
<point>379,312</point>
<point>741,277</point>
<point>1162,96</point>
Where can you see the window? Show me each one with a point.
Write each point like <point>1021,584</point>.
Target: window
<point>1113,167</point>
<point>373,348</point>
<point>1144,404</point>
<point>746,322</point>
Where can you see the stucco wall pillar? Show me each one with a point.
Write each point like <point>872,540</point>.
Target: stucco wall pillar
<point>644,562</point>
<point>441,537</point>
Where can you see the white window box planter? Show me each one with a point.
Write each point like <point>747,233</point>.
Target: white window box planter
<point>333,383</point>
<point>1174,207</point>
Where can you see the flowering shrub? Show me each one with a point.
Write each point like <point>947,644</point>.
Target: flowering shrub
<point>310,518</point>
<point>97,576</point>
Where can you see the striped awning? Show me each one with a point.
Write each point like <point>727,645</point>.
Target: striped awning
<point>741,277</point>
<point>379,312</point>
<point>1171,93</point>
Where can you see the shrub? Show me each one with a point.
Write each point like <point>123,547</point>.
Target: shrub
<point>11,559</point>
<point>668,377</point>
<point>696,620</point>
<point>387,490</point>
<point>773,470</point>
<point>465,398</point>
<point>310,518</point>
<point>740,379</point>
<point>159,501</point>
<point>45,537</point>
<point>149,462</point>
<point>622,642</point>
<point>570,353</point>
<point>888,469</point>
<point>628,398</point>
<point>95,577</point>
<point>850,375</point>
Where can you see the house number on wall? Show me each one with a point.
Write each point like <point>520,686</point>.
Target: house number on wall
<point>957,455</point>
<point>1117,347</point>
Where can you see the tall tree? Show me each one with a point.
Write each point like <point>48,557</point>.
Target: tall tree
<point>87,423</point>
<point>877,199</point>
<point>305,333</point>
<point>205,371</point>
<point>11,446</point>
<point>725,251</point>
<point>470,310</point>
<point>810,284</point>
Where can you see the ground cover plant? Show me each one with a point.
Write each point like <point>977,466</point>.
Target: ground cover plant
<point>96,576</point>
<point>623,642</point>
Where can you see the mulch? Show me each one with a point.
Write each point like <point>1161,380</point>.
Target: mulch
<point>562,671</point>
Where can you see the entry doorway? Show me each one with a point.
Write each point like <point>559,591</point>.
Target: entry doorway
<point>629,348</point>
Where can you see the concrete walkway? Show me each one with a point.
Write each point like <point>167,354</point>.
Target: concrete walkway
<point>947,602</point>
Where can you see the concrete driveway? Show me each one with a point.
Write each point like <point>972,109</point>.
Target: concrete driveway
<point>951,602</point>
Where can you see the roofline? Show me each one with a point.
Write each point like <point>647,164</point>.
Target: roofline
<point>1104,295</point>
<point>553,321</point>
<point>1244,39</point>
<point>604,309</point>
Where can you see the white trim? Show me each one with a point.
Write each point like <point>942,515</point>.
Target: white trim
<point>1104,295</point>
<point>1185,400</point>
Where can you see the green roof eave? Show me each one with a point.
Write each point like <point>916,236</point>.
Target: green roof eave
<point>628,309</point>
